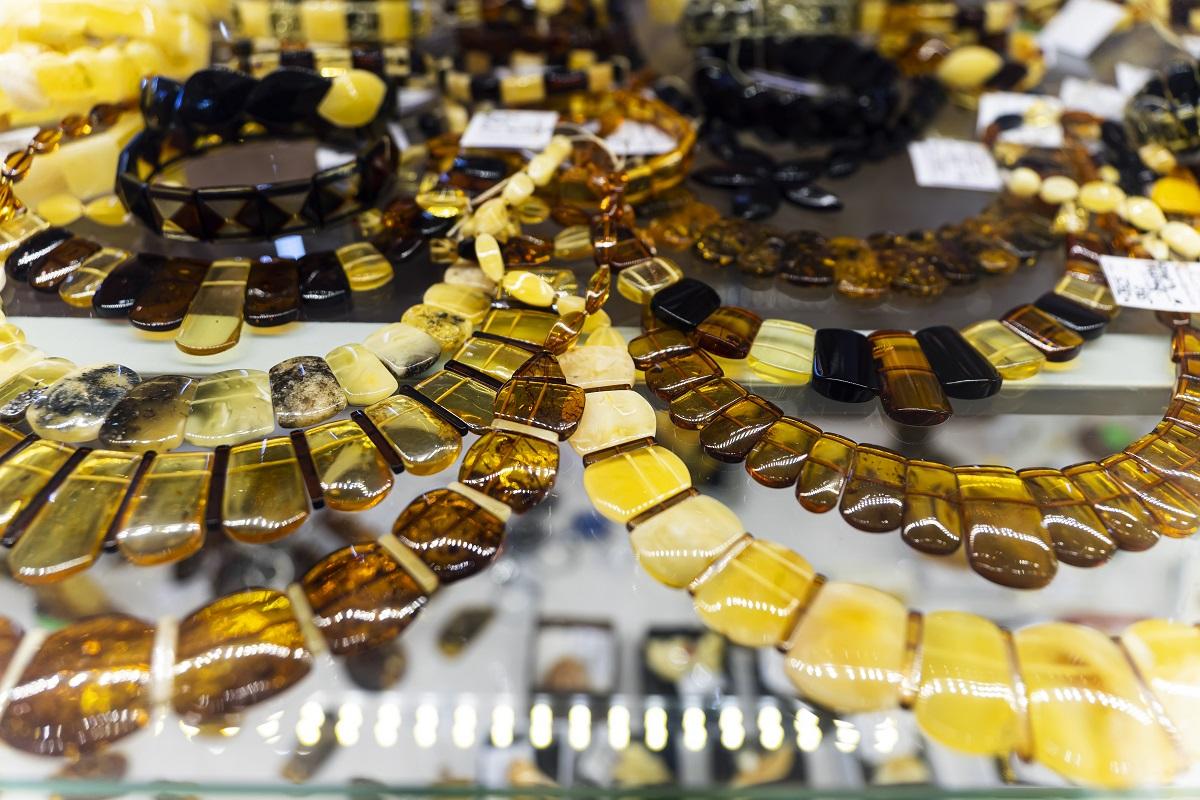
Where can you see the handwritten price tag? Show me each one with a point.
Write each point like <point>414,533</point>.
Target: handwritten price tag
<point>953,164</point>
<point>1157,285</point>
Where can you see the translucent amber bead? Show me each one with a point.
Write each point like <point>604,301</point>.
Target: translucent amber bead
<point>728,332</point>
<point>642,281</point>
<point>1088,716</point>
<point>464,301</point>
<point>352,471</point>
<point>487,254</point>
<point>60,209</point>
<point>426,443</point>
<point>777,457</point>
<point>78,288</point>
<point>594,367</point>
<point>497,359</point>
<point>515,469</point>
<point>362,376</point>
<point>782,352</point>
<point>1044,332</point>
<point>213,323</point>
<point>1006,542</point>
<point>856,271</point>
<point>696,407</point>
<point>1079,537</point>
<point>163,520</point>
<point>910,391</point>
<point>1164,455</point>
<point>824,472</point>
<point>673,376</point>
<point>1176,511</point>
<point>1129,523</point>
<point>553,407</point>
<point>151,416</point>
<point>17,230</point>
<point>755,598</point>
<point>631,483</point>
<point>304,392</point>
<point>1167,656</point>
<point>519,324</point>
<point>10,639</point>
<point>27,472</point>
<point>75,406</point>
<point>230,407</point>
<point>613,418</point>
<point>1013,357</point>
<point>967,700</point>
<point>677,544</point>
<point>467,399</point>
<point>404,349</point>
<point>19,391</point>
<point>449,330</point>
<point>873,499</point>
<point>731,432</point>
<point>658,345</point>
<point>16,357</point>
<point>235,652</point>
<point>1096,296</point>
<point>86,687</point>
<point>264,497</point>
<point>849,650</point>
<point>454,536</point>
<point>931,520</point>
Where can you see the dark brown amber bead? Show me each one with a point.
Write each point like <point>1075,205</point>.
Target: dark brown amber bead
<point>873,499</point>
<point>858,274</point>
<point>731,433</point>
<point>931,522</point>
<point>554,407</point>
<point>1079,537</point>
<point>728,332</point>
<point>805,259</point>
<point>824,472</point>
<point>673,376</point>
<point>1043,332</point>
<point>86,687</point>
<point>235,652</point>
<point>695,408</point>
<point>652,347</point>
<point>1006,542</point>
<point>725,240</point>
<point>625,253</point>
<point>164,301</point>
<point>361,598</point>
<point>452,534</point>
<point>10,637</point>
<point>762,257</point>
<point>1177,512</point>
<point>272,293</point>
<point>777,457</point>
<point>910,392</point>
<point>515,469</point>
<point>60,262</point>
<point>913,271</point>
<point>1129,523</point>
<point>526,251</point>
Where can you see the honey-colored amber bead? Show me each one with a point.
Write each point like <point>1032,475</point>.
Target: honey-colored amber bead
<point>76,405</point>
<point>1128,521</point>
<point>469,400</point>
<point>873,499</point>
<point>520,324</point>
<point>657,345</point>
<point>1044,332</point>
<point>931,520</point>
<point>353,473</point>
<point>453,535</point>
<point>163,520</point>
<point>1164,455</point>
<point>594,367</point>
<point>1006,542</point>
<point>528,288</point>
<point>1089,718</point>
<point>230,407</point>
<point>426,443</point>
<point>1093,295</point>
<point>151,416</point>
<point>16,357</point>
<point>728,332</point>
<point>553,407</point>
<point>782,352</point>
<point>1176,511</point>
<point>448,329</point>
<point>1013,357</point>
<point>264,498</point>
<point>910,391</point>
<point>516,469</point>
<point>497,359</point>
<point>213,323</point>
<point>778,456</point>
<point>66,533</point>
<point>856,271</point>
<point>361,598</point>
<point>235,652</point>
<point>673,376</point>
<point>86,687</point>
<point>9,438</point>
<point>10,639</point>
<point>464,301</point>
<point>677,544</point>
<point>1167,656</point>
<point>823,474</point>
<point>1079,537</point>
<point>731,432</point>
<point>78,288</point>
<point>365,267</point>
<point>631,483</point>
<point>697,407</point>
<point>849,649</point>
<point>613,418</point>
<point>15,231</point>
<point>26,473</point>
<point>755,598</point>
<point>642,281</point>
<point>362,376</point>
<point>967,700</point>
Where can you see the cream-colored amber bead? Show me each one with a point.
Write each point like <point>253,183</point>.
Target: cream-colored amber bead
<point>1143,213</point>
<point>605,336</point>
<point>967,700</point>
<point>541,168</point>
<point>755,597</point>
<point>60,209</point>
<point>569,304</point>
<point>593,367</point>
<point>1087,714</point>
<point>1182,238</point>
<point>470,303</point>
<point>1023,182</point>
<point>362,376</point>
<point>487,253</point>
<point>969,67</point>
<point>676,545</point>
<point>849,649</point>
<point>612,418</point>
<point>1167,654</point>
<point>1156,247</point>
<point>1100,197</point>
<point>518,189</point>
<point>560,146</point>
<point>468,275</point>
<point>629,484</point>
<point>528,288</point>
<point>782,352</point>
<point>449,330</point>
<point>1157,157</point>
<point>353,99</point>
<point>1058,189</point>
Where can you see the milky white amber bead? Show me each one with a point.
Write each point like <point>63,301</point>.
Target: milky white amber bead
<point>518,189</point>
<point>1058,189</point>
<point>1100,197</point>
<point>613,418</point>
<point>1182,238</point>
<point>559,148</point>
<point>1143,213</point>
<point>1156,247</point>
<point>1023,182</point>
<point>676,545</point>
<point>605,336</point>
<point>1157,157</point>
<point>541,168</point>
<point>592,367</point>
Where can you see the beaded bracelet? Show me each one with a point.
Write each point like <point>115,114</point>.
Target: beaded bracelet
<point>339,22</point>
<point>393,62</point>
<point>1164,110</point>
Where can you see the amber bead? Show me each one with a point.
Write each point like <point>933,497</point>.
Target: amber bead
<point>425,442</point>
<point>1166,654</point>
<point>163,519</point>
<point>304,392</point>
<point>756,597</point>
<point>264,496</point>
<point>515,469</point>
<point>728,332</point>
<point>1006,542</point>
<point>520,324</point>
<point>10,638</point>
<point>696,407</point>
<point>914,270</point>
<point>672,377</point>
<point>1164,454</point>
<point>724,240</point>
<point>778,456</point>
<point>47,273</point>
<point>843,366</point>
<point>453,535</point>
<point>1079,537</point>
<point>163,303</point>
<point>685,304</point>
<point>272,293</point>
<point>631,480</point>
<point>323,284</point>
<point>235,652</point>
<point>805,260</point>
<point>1176,511</point>
<point>1044,332</point>
<point>361,598</point>
<point>466,399</point>
<point>353,473</point>
<point>491,357</point>
<point>856,271</point>
<point>931,519</point>
<point>1129,523</point>
<point>961,369</point>
<point>1087,322</point>
<point>87,686</point>
<point>732,431</point>
<point>657,345</point>
<point>1012,356</point>
<point>823,474</point>
<point>151,416</point>
<point>120,290</point>
<point>910,392</point>
<point>26,473</point>
<point>554,407</point>
<point>873,499</point>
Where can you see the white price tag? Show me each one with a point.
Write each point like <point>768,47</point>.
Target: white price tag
<point>640,139</point>
<point>1157,285</point>
<point>997,104</point>
<point>1131,78</point>
<point>510,130</point>
<point>953,164</point>
<point>1080,26</point>
<point>1107,102</point>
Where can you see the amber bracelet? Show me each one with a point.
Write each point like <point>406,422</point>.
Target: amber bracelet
<point>341,22</point>
<point>257,57</point>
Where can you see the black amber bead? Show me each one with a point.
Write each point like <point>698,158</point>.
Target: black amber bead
<point>685,304</point>
<point>33,251</point>
<point>962,370</point>
<point>286,97</point>
<point>119,291</point>
<point>213,99</point>
<point>844,366</point>
<point>323,284</point>
<point>158,100</point>
<point>272,293</point>
<point>1071,315</point>
<point>813,198</point>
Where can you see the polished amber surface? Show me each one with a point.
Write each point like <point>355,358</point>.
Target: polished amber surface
<point>453,535</point>
<point>213,322</point>
<point>612,418</point>
<point>1129,523</point>
<point>462,300</point>
<point>678,543</point>
<point>673,376</point>
<point>26,473</point>
<point>466,398</point>
<point>365,267</point>
<point>9,438</point>
<point>755,598</point>
<point>631,483</point>
<point>230,407</point>
<point>909,389</point>
<point>304,392</point>
<point>697,407</point>
<point>778,456</point>
<point>931,521</point>
<point>10,638</point>
<point>16,357</point>
<point>848,651</point>
<point>53,268</point>
<point>66,533</point>
<point>1079,537</point>
<point>516,469</point>
<point>354,475</point>
<point>75,406</point>
<point>272,293</point>
<point>1089,718</point>
<point>728,332</point>
<point>79,287</point>
<point>553,407</point>
<point>595,366</point>
<point>856,271</point>
<point>404,349</point>
<point>967,700</point>
<point>1169,453</point>
<point>1096,296</point>
<point>18,392</point>
<point>1167,656</point>
<point>873,499</point>
<point>1006,542</point>
<point>426,443</point>
<point>235,652</point>
<point>519,324</point>
<point>657,345</point>
<point>163,521</point>
<point>1044,332</point>
<point>362,376</point>
<point>163,303</point>
<point>824,472</point>
<point>1176,511</point>
<point>264,496</point>
<point>151,416</point>
<point>87,686</point>
<point>734,430</point>
<point>1013,357</point>
<point>497,359</point>
<point>642,281</point>
<point>448,329</point>
<point>782,352</point>
<point>361,598</point>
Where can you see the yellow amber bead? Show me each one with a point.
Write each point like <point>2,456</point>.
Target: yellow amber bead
<point>487,253</point>
<point>60,209</point>
<point>444,203</point>
<point>849,650</point>
<point>605,336</point>
<point>426,443</point>
<point>265,498</point>
<point>969,67</point>
<point>164,519</point>
<point>518,189</point>
<point>593,367</point>
<point>529,288</point>
<point>25,473</point>
<point>230,407</point>
<point>782,352</point>
<point>676,545</point>
<point>1013,357</point>
<point>754,599</point>
<point>1176,196</point>
<point>354,99</point>
<point>491,218</point>
<point>1100,197</point>
<point>464,301</point>
<point>365,267</point>
<point>107,210</point>
<point>629,484</point>
<point>352,471</point>
<point>1167,655</point>
<point>213,322</point>
<point>492,357</point>
<point>362,376</point>
<point>642,281</point>
<point>449,330</point>
<point>78,288</point>
<point>612,418</point>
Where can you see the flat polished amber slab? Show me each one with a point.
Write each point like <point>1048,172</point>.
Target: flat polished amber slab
<point>1168,453</point>
<point>354,475</point>
<point>452,534</point>
<point>75,406</point>
<point>823,474</point>
<point>362,376</point>
<point>19,391</point>
<point>678,543</point>
<point>151,416</point>
<point>264,498</point>
<point>777,458</point>
<point>163,521</point>
<point>1079,537</point>
<point>235,652</point>
<point>272,293</point>
<point>1167,656</point>
<point>519,324</point>
<point>553,407</point>
<point>782,352</point>
<point>873,499</point>
<point>612,418</point>
<point>516,469</point>
<point>1129,523</point>
<point>629,484</point>
<point>728,332</point>
<point>910,391</point>
<point>26,473</point>
<point>1044,332</point>
<point>1006,542</point>
<point>1176,511</point>
<point>673,376</point>
<point>230,407</point>
<point>426,443</point>
<point>734,430</point>
<point>696,407</point>
<point>213,323</point>
<point>931,522</point>
<point>755,598</point>
<point>78,288</point>
<point>656,345</point>
<point>1012,356</point>
<point>469,400</point>
<point>365,267</point>
<point>163,303</point>
<point>491,357</point>
<point>304,392</point>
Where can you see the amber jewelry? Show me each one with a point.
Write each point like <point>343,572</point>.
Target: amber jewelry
<point>549,84</point>
<point>259,57</point>
<point>341,22</point>
<point>1164,111</point>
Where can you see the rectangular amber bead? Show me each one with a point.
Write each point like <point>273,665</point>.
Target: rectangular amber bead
<point>1079,535</point>
<point>9,438</point>
<point>1160,452</point>
<point>214,319</point>
<point>778,457</point>
<point>1044,332</point>
<point>932,522</point>
<point>1013,357</point>
<point>365,266</point>
<point>26,473</point>
<point>910,392</point>
<point>873,499</point>
<point>1006,542</point>
<point>673,376</point>
<point>492,357</point>
<point>163,521</point>
<point>656,345</point>
<point>824,473</point>
<point>520,324</point>
<point>469,400</point>
<point>16,230</point>
<point>1094,295</point>
<point>1177,512</point>
<point>1130,523</point>
<point>265,498</point>
<point>1185,341</point>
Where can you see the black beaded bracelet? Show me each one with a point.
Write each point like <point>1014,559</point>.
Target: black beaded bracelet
<point>1166,110</point>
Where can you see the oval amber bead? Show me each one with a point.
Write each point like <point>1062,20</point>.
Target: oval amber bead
<point>426,443</point>
<point>453,535</point>
<point>516,469</point>
<point>755,598</point>
<point>628,484</point>
<point>353,473</point>
<point>1167,656</point>
<point>677,544</point>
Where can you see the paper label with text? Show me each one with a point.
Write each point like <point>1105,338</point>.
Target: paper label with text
<point>510,130</point>
<point>997,104</point>
<point>1106,102</point>
<point>1156,285</point>
<point>1080,26</point>
<point>953,164</point>
<point>640,139</point>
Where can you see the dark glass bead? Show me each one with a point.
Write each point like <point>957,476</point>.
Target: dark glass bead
<point>843,366</point>
<point>481,168</point>
<point>122,287</point>
<point>755,202</point>
<point>1007,122</point>
<point>33,251</point>
<point>46,273</point>
<point>813,198</point>
<point>485,87</point>
<point>286,96</point>
<point>272,293</point>
<point>159,98</point>
<point>720,176</point>
<point>323,284</point>
<point>685,304</point>
<point>432,227</point>
<point>1084,321</point>
<point>213,99</point>
<point>797,173</point>
<point>162,305</point>
<point>842,164</point>
<point>962,370</point>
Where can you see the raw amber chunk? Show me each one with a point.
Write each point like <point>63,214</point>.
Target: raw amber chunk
<point>1079,537</point>
<point>755,598</point>
<point>856,271</point>
<point>491,357</point>
<point>628,484</point>
<point>151,416</point>
<point>657,345</point>
<point>728,332</point>
<point>74,407</point>
<point>453,535</point>
<point>78,288</point>
<point>163,521</point>
<point>673,376</point>
<point>213,323</point>
<point>1006,542</point>
<point>612,418</point>
<point>362,376</point>
<point>516,469</point>
<point>1176,511</point>
<point>304,392</point>
<point>354,475</point>
<point>1088,716</point>
<point>365,267</point>
<point>697,407</point>
<point>1044,332</point>
<point>264,496</point>
<point>782,352</point>
<point>1167,656</point>
<point>361,598</point>
<point>642,281</point>
<point>469,400</point>
<point>849,649</point>
<point>731,432</point>
<point>66,533</point>
<point>596,366</point>
<point>553,407</point>
<point>426,443</point>
<point>1129,523</point>
<point>521,325</point>
<point>86,687</point>
<point>823,474</point>
<point>235,652</point>
<point>873,499</point>
<point>967,700</point>
<point>18,392</point>
<point>25,473</point>
<point>931,521</point>
<point>909,389</point>
<point>230,407</point>
<point>677,544</point>
<point>777,458</point>
<point>1013,357</point>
